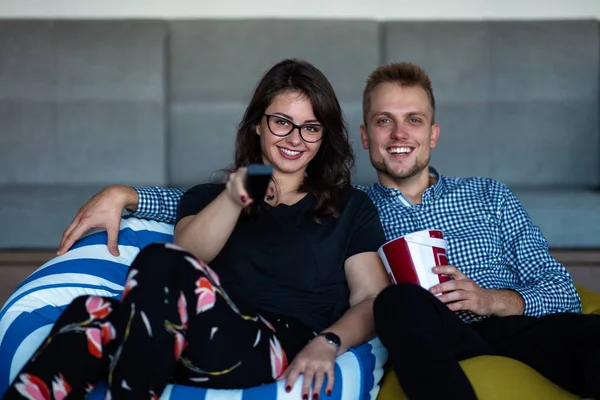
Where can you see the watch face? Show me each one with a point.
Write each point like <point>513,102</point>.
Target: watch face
<point>332,338</point>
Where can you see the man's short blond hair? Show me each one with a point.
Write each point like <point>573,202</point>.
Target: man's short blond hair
<point>405,74</point>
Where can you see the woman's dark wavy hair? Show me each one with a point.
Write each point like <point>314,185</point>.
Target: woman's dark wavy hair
<point>330,170</point>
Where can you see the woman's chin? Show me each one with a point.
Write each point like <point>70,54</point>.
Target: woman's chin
<point>289,168</point>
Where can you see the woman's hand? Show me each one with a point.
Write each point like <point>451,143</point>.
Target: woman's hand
<point>315,361</point>
<point>236,188</point>
<point>104,210</point>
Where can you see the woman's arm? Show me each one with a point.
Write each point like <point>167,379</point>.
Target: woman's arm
<point>366,277</point>
<point>204,234</point>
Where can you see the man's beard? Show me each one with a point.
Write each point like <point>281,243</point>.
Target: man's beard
<point>404,175</point>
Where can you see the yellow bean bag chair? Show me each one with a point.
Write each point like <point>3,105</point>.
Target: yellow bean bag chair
<point>503,378</point>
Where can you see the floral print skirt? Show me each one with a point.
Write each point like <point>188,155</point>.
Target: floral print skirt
<point>174,323</point>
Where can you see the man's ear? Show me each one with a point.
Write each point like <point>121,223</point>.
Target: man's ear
<point>364,138</point>
<point>435,134</point>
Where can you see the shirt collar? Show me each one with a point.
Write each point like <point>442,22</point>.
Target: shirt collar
<point>432,193</point>
<point>435,191</point>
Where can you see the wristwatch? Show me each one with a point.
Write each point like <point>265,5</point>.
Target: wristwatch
<point>333,339</point>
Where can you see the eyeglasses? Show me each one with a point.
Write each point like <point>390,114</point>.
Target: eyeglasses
<point>282,127</point>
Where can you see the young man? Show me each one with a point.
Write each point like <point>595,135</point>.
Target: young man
<point>508,296</point>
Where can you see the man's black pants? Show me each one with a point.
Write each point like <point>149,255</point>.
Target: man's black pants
<point>426,341</point>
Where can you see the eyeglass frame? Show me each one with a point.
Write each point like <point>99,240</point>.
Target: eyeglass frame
<point>294,126</point>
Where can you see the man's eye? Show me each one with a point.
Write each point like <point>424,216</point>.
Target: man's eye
<point>414,121</point>
<point>384,121</point>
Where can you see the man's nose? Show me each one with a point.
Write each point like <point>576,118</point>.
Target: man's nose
<point>398,133</point>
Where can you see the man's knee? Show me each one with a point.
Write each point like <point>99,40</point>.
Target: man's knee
<point>403,309</point>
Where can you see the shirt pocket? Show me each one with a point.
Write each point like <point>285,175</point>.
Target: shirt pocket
<point>476,241</point>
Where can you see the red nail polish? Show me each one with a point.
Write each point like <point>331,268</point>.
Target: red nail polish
<point>304,397</point>
<point>288,389</point>
<point>315,396</point>
<point>243,198</point>
<point>329,393</point>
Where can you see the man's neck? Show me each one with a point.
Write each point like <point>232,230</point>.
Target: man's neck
<point>412,188</point>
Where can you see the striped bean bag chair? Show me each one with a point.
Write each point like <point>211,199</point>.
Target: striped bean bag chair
<point>88,268</point>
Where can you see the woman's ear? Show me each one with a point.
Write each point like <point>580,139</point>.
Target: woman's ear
<point>257,129</point>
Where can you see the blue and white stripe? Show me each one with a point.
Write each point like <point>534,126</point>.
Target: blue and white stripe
<point>88,268</point>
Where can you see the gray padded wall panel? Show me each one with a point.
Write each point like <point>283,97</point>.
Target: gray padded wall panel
<point>203,140</point>
<point>463,148</point>
<point>111,60</point>
<point>36,216</point>
<point>215,66</point>
<point>544,124</point>
<point>99,89</point>
<point>544,60</point>
<point>28,145</point>
<point>27,60</point>
<point>568,219</point>
<point>224,60</point>
<point>128,145</point>
<point>541,143</point>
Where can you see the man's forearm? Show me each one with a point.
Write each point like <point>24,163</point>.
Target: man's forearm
<point>131,198</point>
<point>507,302</point>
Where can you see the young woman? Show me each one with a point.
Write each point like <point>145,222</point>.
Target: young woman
<point>291,281</point>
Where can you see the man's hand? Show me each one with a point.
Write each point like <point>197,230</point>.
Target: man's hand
<point>462,294</point>
<point>315,361</point>
<point>104,210</point>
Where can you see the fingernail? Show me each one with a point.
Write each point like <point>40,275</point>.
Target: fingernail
<point>243,198</point>
<point>329,393</point>
<point>304,397</point>
<point>315,396</point>
<point>288,389</point>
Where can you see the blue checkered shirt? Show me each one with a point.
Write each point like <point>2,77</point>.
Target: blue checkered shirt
<point>490,236</point>
<point>158,203</point>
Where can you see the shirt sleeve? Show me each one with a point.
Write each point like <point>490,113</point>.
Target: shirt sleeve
<point>367,232</point>
<point>545,284</point>
<point>194,200</point>
<point>157,203</point>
